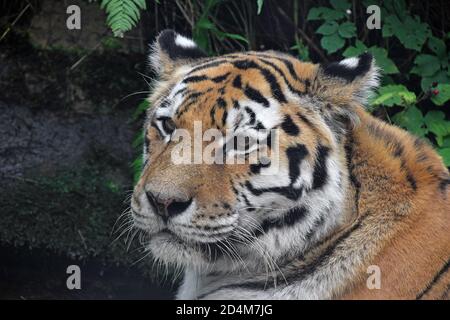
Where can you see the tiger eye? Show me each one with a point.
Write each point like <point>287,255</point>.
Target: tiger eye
<point>169,125</point>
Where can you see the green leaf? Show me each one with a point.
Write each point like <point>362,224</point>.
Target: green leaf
<point>259,4</point>
<point>391,95</point>
<point>381,57</point>
<point>391,23</point>
<point>347,30</point>
<point>443,96</point>
<point>204,23</point>
<point>414,34</point>
<point>138,142</point>
<point>222,35</point>
<point>137,168</point>
<point>358,49</point>
<point>436,123</point>
<point>410,31</point>
<point>302,50</point>
<point>446,142</point>
<point>438,47</point>
<point>323,13</point>
<point>122,15</point>
<point>342,5</point>
<point>412,120</point>
<point>445,154</point>
<point>140,109</point>
<point>328,28</point>
<point>332,43</point>
<point>440,77</point>
<point>426,65</point>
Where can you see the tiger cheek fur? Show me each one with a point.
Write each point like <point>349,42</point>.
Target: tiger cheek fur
<point>339,191</point>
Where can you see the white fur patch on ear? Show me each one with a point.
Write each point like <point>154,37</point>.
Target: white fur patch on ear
<point>361,73</point>
<point>350,62</point>
<point>171,50</point>
<point>184,42</point>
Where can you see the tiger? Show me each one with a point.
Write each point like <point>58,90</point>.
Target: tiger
<point>355,208</point>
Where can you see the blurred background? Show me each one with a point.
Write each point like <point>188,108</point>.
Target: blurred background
<point>72,104</point>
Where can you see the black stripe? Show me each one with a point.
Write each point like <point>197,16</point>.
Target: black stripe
<point>283,76</point>
<point>289,65</point>
<point>289,126</point>
<point>165,103</point>
<point>320,173</point>
<point>259,126</point>
<point>195,79</point>
<point>307,122</point>
<point>288,192</point>
<point>270,78</point>
<point>248,203</point>
<point>295,156</point>
<point>349,154</point>
<point>290,218</point>
<point>251,114</point>
<point>224,117</point>
<point>190,100</point>
<point>436,278</point>
<point>256,96</point>
<point>237,82</point>
<point>221,103</point>
<point>256,168</point>
<point>157,129</point>
<point>209,64</point>
<point>146,141</point>
<point>220,78</point>
<point>212,114</point>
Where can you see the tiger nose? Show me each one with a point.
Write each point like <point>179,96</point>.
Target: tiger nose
<point>167,207</point>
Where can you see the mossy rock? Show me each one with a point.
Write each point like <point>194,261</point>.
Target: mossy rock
<point>72,213</point>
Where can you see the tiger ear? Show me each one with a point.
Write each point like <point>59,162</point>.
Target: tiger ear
<point>351,79</point>
<point>171,50</point>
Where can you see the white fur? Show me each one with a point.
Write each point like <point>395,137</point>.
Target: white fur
<point>350,62</point>
<point>184,42</point>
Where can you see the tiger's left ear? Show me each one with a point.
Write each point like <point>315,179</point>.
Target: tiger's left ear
<point>352,79</point>
<point>172,50</point>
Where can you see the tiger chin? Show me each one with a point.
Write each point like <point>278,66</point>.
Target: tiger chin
<point>348,193</point>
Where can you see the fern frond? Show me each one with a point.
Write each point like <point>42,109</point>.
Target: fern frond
<point>123,15</point>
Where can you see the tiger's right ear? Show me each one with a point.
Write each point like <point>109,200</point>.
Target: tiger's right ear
<point>171,50</point>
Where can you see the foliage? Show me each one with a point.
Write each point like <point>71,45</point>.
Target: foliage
<point>122,14</point>
<point>411,107</point>
<point>204,27</point>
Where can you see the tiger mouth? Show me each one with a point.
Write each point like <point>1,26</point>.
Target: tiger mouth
<point>212,250</point>
<point>192,236</point>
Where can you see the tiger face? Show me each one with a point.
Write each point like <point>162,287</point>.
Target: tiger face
<point>218,214</point>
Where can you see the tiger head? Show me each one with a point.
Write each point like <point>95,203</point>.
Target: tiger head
<point>217,214</point>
